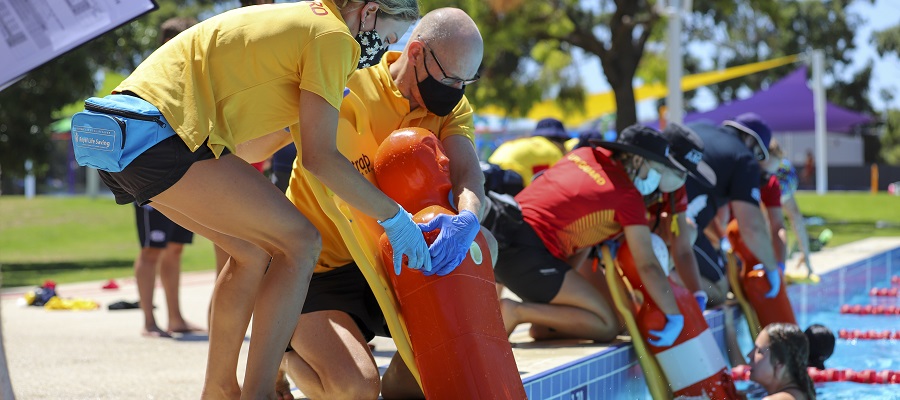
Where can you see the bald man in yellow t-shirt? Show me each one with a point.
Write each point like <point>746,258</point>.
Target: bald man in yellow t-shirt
<point>421,87</point>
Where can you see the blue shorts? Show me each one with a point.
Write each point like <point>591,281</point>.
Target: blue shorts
<point>156,230</point>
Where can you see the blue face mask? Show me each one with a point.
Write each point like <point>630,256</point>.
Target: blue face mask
<point>649,184</point>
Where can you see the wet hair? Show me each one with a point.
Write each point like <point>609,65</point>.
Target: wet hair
<point>173,26</point>
<point>821,345</point>
<point>788,346</point>
<point>403,10</point>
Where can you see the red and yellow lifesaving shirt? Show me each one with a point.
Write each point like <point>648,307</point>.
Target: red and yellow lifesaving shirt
<point>584,199</point>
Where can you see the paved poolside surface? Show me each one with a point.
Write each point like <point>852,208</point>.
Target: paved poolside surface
<point>101,355</point>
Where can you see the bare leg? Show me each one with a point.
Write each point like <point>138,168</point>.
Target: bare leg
<point>247,207</point>
<point>170,275</point>
<point>331,359</point>
<point>227,328</point>
<point>145,276</point>
<point>577,311</point>
<point>399,382</point>
<point>221,258</point>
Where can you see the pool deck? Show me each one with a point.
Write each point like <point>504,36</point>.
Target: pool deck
<point>101,355</point>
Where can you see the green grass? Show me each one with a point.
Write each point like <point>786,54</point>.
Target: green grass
<point>74,239</point>
<point>852,216</point>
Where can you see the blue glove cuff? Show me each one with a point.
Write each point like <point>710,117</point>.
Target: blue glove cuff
<point>393,221</point>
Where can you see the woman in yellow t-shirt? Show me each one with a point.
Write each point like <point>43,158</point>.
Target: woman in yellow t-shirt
<point>232,78</point>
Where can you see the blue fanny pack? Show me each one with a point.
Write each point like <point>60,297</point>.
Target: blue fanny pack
<point>113,130</point>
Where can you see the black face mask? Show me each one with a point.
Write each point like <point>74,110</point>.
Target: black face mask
<point>438,97</point>
<point>371,47</point>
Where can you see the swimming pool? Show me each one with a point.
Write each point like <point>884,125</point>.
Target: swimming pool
<point>821,304</point>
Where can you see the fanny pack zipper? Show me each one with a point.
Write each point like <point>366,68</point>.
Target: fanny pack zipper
<point>126,114</point>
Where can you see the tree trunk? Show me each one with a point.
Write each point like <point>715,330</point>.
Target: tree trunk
<point>626,112</point>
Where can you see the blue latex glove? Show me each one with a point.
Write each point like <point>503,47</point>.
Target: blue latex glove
<point>670,332</point>
<point>775,281</point>
<point>725,245</point>
<point>702,299</point>
<point>452,244</point>
<point>406,239</point>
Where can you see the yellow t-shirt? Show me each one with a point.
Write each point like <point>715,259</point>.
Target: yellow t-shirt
<point>527,156</point>
<point>372,110</point>
<point>238,75</point>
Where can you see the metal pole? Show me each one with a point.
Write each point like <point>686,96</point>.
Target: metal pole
<point>818,67</point>
<point>674,98</point>
<point>92,186</point>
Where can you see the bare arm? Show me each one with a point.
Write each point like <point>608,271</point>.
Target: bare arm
<point>754,233</point>
<point>648,268</point>
<point>262,148</point>
<point>320,156</point>
<point>465,174</point>
<point>776,223</point>
<point>683,254</point>
<point>799,225</point>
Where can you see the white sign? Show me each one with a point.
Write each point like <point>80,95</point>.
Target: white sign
<point>33,32</point>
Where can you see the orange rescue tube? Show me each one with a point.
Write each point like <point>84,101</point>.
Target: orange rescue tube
<point>458,338</point>
<point>695,346</point>
<point>754,286</point>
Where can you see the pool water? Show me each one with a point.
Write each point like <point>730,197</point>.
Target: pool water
<point>821,305</point>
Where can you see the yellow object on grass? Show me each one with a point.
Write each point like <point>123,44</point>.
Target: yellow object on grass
<point>76,304</point>
<point>29,297</point>
<point>657,384</point>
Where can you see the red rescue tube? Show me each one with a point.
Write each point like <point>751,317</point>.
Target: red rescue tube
<point>755,285</point>
<point>695,346</point>
<point>454,323</point>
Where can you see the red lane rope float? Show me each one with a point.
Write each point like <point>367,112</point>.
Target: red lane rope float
<point>868,335</point>
<point>870,309</point>
<point>742,373</point>
<point>884,292</point>
<point>895,280</point>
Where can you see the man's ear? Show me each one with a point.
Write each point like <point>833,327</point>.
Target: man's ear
<point>415,51</point>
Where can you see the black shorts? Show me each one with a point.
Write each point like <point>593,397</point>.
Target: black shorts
<point>528,269</point>
<point>709,260</point>
<point>346,289</point>
<point>155,170</point>
<point>157,230</point>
